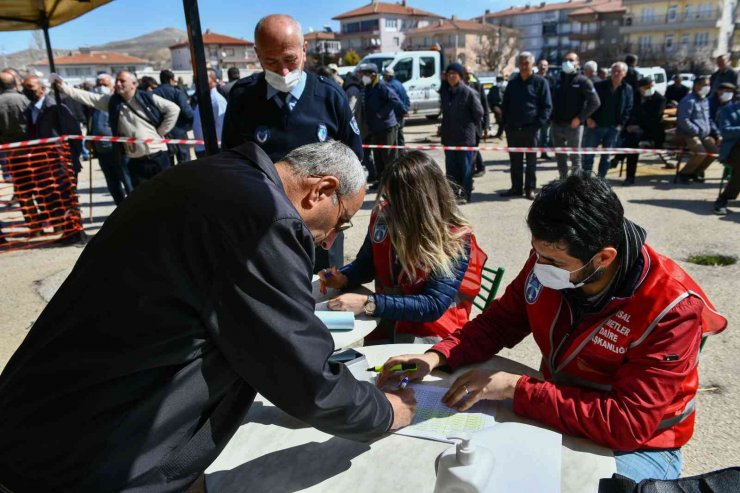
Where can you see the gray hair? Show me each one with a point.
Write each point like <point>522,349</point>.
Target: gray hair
<point>526,54</point>
<point>591,65</point>
<point>331,158</point>
<point>622,66</point>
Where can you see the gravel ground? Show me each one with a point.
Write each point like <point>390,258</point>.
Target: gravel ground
<point>678,219</point>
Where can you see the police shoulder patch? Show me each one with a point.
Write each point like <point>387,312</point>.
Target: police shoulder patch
<point>355,127</point>
<point>322,133</point>
<point>532,288</point>
<point>261,134</point>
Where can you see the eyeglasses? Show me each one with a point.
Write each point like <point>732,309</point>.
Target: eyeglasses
<point>341,225</point>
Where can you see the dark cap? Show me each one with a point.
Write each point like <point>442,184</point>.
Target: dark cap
<point>645,81</point>
<point>456,67</point>
<point>367,67</point>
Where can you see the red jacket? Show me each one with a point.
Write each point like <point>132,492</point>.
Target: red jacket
<point>389,283</point>
<point>625,377</point>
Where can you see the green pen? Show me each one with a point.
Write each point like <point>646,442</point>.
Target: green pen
<point>401,367</point>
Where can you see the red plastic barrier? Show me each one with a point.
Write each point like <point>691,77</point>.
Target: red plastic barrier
<point>39,204</point>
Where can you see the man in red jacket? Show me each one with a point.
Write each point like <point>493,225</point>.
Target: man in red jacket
<point>619,326</point>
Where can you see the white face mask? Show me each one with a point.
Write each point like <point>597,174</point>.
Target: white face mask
<point>726,97</point>
<point>556,278</point>
<point>284,84</point>
<point>704,91</point>
<point>568,67</point>
<point>366,80</point>
<point>648,92</point>
<point>101,90</point>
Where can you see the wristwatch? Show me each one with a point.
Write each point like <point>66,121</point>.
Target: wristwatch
<point>369,307</point>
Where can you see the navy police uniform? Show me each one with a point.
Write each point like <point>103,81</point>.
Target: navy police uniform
<point>321,113</point>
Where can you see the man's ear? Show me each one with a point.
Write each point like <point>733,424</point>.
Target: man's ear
<point>319,189</point>
<point>606,257</point>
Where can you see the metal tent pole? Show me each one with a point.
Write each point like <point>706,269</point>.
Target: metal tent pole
<point>198,57</point>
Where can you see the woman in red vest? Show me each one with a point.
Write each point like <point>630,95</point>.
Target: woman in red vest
<point>618,324</point>
<point>421,253</point>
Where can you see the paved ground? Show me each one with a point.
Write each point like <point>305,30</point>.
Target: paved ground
<point>678,220</point>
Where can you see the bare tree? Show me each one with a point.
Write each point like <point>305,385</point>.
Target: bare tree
<point>497,48</point>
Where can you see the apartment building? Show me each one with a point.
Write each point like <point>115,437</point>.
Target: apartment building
<point>545,29</point>
<point>323,47</point>
<point>685,34</point>
<point>222,52</point>
<point>475,44</point>
<point>380,26</point>
<point>596,32</point>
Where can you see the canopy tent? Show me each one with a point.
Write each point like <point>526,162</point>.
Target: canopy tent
<point>20,15</point>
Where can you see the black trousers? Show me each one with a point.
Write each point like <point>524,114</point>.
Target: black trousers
<point>522,137</point>
<point>383,157</point>
<point>147,167</point>
<point>401,139</point>
<point>632,140</point>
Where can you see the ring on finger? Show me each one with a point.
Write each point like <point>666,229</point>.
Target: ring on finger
<point>466,389</point>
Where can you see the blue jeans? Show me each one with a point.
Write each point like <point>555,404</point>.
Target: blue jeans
<point>459,169</point>
<point>649,464</point>
<point>592,137</point>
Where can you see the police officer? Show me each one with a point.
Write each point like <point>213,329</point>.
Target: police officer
<point>285,107</point>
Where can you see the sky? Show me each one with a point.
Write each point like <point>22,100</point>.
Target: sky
<point>123,19</point>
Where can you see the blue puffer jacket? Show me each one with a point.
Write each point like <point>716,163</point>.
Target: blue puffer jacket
<point>380,106</point>
<point>438,295</point>
<point>400,91</point>
<point>694,119</point>
<point>729,127</point>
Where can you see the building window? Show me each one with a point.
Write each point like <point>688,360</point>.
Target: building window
<point>669,42</point>
<point>371,25</point>
<point>427,67</point>
<point>228,51</point>
<point>701,39</point>
<point>645,42</point>
<point>391,25</point>
<point>615,22</point>
<point>687,12</point>
<point>404,69</point>
<point>647,15</point>
<point>704,11</point>
<point>684,40</point>
<point>672,13</point>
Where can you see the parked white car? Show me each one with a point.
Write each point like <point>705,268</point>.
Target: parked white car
<point>659,76</point>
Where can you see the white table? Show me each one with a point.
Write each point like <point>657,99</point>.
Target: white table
<point>363,324</point>
<point>272,451</point>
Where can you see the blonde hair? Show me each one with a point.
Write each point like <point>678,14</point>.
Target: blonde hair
<point>425,226</point>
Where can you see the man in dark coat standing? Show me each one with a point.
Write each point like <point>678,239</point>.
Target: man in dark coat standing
<point>171,92</point>
<point>461,117</point>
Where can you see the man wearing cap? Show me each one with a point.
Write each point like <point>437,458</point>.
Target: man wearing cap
<point>334,68</point>
<point>285,107</point>
<point>461,117</point>
<point>380,106</point>
<point>389,76</point>
<point>724,94</point>
<point>646,123</point>
<point>526,109</point>
<point>729,154</point>
<point>697,131</point>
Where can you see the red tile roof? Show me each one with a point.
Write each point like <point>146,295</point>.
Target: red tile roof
<point>449,25</point>
<point>601,8</point>
<point>210,38</point>
<point>547,7</point>
<point>319,35</point>
<point>385,8</point>
<point>96,58</point>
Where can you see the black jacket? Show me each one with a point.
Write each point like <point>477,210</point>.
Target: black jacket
<point>495,97</point>
<point>194,295</point>
<point>624,97</point>
<point>185,119</point>
<point>527,104</point>
<point>461,115</point>
<point>676,93</point>
<point>322,111</point>
<point>55,120</point>
<point>648,112</point>
<point>574,96</point>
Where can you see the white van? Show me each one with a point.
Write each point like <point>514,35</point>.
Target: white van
<point>658,75</point>
<point>687,79</point>
<point>419,72</point>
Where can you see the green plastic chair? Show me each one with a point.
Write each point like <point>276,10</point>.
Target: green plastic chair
<point>488,287</point>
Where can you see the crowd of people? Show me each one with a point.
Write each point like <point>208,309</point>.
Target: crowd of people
<point>196,294</point>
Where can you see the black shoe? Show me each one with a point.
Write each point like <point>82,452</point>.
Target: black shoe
<point>720,207</point>
<point>511,193</point>
<point>698,177</point>
<point>684,178</point>
<point>530,195</point>
<point>545,156</point>
<point>628,181</point>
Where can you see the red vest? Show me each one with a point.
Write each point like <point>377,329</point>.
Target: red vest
<point>592,354</point>
<point>386,282</point>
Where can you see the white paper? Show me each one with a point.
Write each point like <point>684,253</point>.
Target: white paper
<point>436,421</point>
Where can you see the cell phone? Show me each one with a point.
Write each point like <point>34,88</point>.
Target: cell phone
<point>345,356</point>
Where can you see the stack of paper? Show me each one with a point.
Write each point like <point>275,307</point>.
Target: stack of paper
<point>337,321</point>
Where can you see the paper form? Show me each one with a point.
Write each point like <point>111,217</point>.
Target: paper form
<point>436,421</point>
